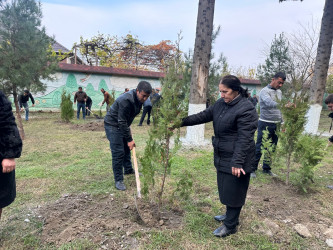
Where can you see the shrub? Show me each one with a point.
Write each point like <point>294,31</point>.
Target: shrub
<point>66,106</point>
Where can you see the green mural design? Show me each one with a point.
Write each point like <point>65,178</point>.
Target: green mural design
<point>103,85</point>
<point>53,99</point>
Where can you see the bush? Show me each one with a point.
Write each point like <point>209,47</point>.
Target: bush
<point>66,106</point>
<point>309,153</point>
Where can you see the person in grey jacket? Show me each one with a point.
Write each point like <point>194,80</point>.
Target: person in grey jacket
<point>270,118</point>
<point>235,122</point>
<point>117,124</point>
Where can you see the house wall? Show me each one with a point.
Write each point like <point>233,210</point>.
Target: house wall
<point>91,84</point>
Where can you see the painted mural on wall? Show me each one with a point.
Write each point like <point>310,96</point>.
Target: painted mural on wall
<point>91,84</point>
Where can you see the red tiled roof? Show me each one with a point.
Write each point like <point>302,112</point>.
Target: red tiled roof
<point>250,81</point>
<point>109,70</point>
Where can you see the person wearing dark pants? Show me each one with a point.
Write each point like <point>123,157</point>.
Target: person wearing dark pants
<point>121,154</point>
<point>80,96</point>
<point>270,118</point>
<point>23,101</point>
<point>117,124</point>
<point>271,128</point>
<point>234,122</point>
<point>88,105</point>
<point>147,106</point>
<point>10,148</point>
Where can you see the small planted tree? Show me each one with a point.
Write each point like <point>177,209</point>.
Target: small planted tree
<point>66,106</point>
<point>163,142</point>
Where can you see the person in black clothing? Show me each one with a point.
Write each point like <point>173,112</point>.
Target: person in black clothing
<point>147,106</point>
<point>253,100</point>
<point>329,103</point>
<point>23,101</point>
<point>117,124</point>
<point>88,105</point>
<point>235,122</point>
<point>10,148</point>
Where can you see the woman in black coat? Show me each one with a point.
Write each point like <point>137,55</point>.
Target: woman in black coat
<point>10,148</point>
<point>235,122</point>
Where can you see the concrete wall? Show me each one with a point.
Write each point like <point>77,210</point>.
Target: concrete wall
<point>91,83</point>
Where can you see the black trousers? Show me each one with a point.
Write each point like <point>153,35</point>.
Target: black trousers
<point>7,187</point>
<point>232,193</point>
<point>262,126</point>
<point>232,219</point>
<point>146,109</point>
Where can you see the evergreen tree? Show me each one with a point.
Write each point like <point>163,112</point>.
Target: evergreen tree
<point>25,50</point>
<point>66,107</point>
<point>158,154</point>
<point>278,59</point>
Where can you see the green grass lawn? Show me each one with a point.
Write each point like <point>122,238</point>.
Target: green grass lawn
<point>58,160</point>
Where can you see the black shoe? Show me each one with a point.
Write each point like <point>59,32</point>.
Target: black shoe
<point>269,172</point>
<point>139,125</point>
<point>120,185</point>
<point>224,231</point>
<point>220,218</point>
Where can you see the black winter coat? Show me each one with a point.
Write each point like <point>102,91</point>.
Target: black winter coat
<point>123,112</point>
<point>10,147</point>
<point>10,140</point>
<point>234,126</point>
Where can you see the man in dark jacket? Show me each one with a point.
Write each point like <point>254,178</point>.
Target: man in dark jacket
<point>88,105</point>
<point>147,106</point>
<point>81,98</point>
<point>117,124</point>
<point>23,101</point>
<point>10,148</point>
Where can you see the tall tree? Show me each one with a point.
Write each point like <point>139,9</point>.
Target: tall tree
<point>277,60</point>
<point>25,50</point>
<point>200,67</point>
<point>126,52</point>
<point>321,67</point>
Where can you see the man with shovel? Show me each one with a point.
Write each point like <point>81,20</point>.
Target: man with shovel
<point>117,124</point>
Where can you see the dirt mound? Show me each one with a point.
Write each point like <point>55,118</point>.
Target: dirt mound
<point>103,220</point>
<point>91,126</point>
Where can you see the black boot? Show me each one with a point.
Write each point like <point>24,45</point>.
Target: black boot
<point>220,218</point>
<point>224,231</point>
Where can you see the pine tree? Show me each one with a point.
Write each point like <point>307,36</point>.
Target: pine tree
<point>277,60</point>
<point>25,50</point>
<point>172,107</point>
<point>66,107</point>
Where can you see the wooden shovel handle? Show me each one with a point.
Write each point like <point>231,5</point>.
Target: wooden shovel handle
<point>136,170</point>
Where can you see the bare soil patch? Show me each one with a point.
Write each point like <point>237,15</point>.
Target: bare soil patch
<point>109,222</point>
<point>97,125</point>
<point>285,206</point>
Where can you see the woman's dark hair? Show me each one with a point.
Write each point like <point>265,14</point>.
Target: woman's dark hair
<point>234,83</point>
<point>329,99</point>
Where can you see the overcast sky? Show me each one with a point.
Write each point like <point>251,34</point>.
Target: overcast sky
<point>247,26</point>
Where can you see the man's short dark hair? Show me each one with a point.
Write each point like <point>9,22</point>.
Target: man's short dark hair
<point>329,99</point>
<point>145,87</point>
<point>80,87</point>
<point>281,75</point>
<point>26,91</point>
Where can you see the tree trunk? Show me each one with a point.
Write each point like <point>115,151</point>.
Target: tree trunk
<point>320,69</point>
<point>18,114</point>
<point>200,68</point>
